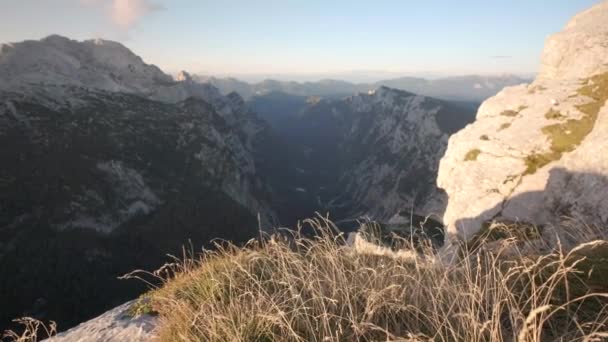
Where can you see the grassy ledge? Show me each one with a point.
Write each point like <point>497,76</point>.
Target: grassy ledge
<point>317,289</point>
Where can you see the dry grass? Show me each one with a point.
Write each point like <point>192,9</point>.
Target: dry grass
<point>293,288</point>
<point>32,330</point>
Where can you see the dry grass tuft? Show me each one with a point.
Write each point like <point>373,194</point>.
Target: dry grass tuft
<point>33,330</point>
<point>294,288</point>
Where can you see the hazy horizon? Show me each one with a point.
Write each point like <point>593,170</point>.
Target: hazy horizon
<point>352,76</point>
<point>291,40</point>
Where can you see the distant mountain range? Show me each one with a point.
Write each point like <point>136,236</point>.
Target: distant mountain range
<point>461,88</point>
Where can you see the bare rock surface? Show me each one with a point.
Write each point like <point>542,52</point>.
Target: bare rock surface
<point>114,325</point>
<point>537,152</point>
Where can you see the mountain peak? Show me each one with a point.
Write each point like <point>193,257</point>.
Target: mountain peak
<point>183,76</point>
<point>62,42</point>
<point>383,91</point>
<point>95,63</point>
<point>56,38</point>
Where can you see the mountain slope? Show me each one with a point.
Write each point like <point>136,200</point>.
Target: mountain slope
<point>118,169</point>
<point>108,165</point>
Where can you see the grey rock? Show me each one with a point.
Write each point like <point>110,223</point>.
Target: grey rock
<point>543,151</point>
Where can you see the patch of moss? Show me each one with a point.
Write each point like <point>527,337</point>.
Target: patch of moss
<point>472,155</point>
<point>509,113</point>
<point>553,114</point>
<point>504,126</point>
<point>142,306</point>
<point>513,113</point>
<point>536,161</point>
<point>534,89</point>
<point>567,136</point>
<point>484,137</point>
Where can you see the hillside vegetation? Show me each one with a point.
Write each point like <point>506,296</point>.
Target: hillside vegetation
<point>292,288</point>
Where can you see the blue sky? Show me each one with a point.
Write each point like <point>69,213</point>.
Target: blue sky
<point>306,37</point>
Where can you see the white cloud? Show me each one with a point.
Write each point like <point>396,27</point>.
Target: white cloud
<point>124,13</point>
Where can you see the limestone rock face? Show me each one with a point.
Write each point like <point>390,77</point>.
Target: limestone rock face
<point>115,325</point>
<point>375,154</point>
<point>538,152</point>
<point>580,49</point>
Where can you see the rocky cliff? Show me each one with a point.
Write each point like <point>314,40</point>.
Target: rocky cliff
<point>392,143</point>
<point>374,154</point>
<point>536,153</point>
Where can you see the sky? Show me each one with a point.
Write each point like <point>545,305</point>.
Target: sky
<point>307,38</point>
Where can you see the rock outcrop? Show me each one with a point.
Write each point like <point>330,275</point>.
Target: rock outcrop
<point>391,144</point>
<point>117,324</point>
<point>538,152</point>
